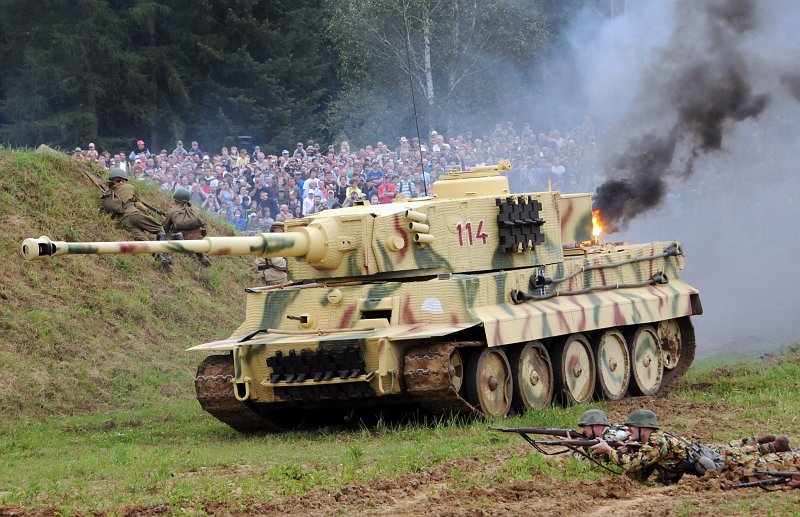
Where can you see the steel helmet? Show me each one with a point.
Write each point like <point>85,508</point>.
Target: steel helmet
<point>117,173</point>
<point>181,194</point>
<point>643,418</point>
<point>593,417</point>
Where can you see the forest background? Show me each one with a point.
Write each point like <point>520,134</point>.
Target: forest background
<point>114,71</point>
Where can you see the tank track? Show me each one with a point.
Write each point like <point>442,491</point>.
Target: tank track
<point>214,392</point>
<point>427,376</point>
<point>688,348</point>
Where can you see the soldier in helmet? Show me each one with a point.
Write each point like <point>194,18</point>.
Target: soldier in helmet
<point>183,221</point>
<point>594,424</point>
<point>273,270</point>
<point>672,456</point>
<point>122,202</point>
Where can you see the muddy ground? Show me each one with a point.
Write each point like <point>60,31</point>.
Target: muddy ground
<point>434,492</point>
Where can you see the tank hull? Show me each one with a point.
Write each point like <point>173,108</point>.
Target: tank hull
<point>379,344</point>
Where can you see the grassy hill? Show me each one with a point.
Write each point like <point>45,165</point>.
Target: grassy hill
<point>93,333</point>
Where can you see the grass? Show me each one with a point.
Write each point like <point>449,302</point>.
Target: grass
<point>77,331</point>
<point>97,402</point>
<point>178,456</point>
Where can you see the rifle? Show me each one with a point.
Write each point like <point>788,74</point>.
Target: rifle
<point>550,431</point>
<point>570,443</point>
<point>102,186</point>
<point>775,478</point>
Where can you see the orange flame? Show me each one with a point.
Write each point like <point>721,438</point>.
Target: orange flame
<point>597,225</point>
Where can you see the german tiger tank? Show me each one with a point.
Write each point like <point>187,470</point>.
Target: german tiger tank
<point>475,300</point>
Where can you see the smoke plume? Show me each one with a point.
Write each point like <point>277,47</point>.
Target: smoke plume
<point>701,85</point>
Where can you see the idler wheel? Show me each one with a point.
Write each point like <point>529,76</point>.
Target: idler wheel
<point>647,360</point>
<point>532,377</point>
<point>613,365</point>
<point>488,382</point>
<point>574,370</point>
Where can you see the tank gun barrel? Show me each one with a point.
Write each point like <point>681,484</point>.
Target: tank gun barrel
<point>303,242</point>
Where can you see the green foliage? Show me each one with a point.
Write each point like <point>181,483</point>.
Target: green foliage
<point>112,72</point>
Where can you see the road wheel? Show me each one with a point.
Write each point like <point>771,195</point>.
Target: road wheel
<point>488,382</point>
<point>574,370</point>
<point>533,377</point>
<point>613,365</point>
<point>647,361</point>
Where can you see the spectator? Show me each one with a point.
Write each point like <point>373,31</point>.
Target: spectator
<point>387,191</point>
<point>179,151</point>
<point>299,152</point>
<point>195,150</point>
<point>139,151</point>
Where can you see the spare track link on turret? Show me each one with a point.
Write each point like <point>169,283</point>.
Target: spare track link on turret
<point>214,392</point>
<point>428,378</point>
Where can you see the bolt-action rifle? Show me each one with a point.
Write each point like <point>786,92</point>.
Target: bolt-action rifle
<point>102,186</point>
<point>549,431</point>
<point>573,438</point>
<point>574,442</point>
<point>773,478</point>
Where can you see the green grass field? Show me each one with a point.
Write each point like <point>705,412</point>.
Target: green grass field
<point>177,456</point>
<point>98,405</point>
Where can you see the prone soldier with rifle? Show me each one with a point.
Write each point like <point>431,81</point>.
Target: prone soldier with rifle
<point>594,426</point>
<point>122,201</point>
<point>672,456</point>
<point>640,449</point>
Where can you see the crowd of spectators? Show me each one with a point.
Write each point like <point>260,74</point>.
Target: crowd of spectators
<point>252,188</point>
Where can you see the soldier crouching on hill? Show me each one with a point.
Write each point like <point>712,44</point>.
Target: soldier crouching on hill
<point>183,221</point>
<point>122,202</point>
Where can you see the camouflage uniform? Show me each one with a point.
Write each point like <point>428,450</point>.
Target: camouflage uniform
<point>612,433</point>
<point>740,452</point>
<point>662,452</point>
<point>187,220</point>
<point>775,461</point>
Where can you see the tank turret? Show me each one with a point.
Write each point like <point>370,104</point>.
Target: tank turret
<point>474,300</point>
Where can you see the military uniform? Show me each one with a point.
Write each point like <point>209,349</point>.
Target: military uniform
<point>186,220</point>
<point>611,433</point>
<point>672,456</point>
<point>273,270</point>
<point>662,452</point>
<point>122,202</point>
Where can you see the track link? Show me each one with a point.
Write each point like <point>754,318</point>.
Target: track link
<point>214,392</point>
<point>428,378</point>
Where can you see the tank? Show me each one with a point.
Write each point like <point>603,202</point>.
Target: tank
<point>472,301</point>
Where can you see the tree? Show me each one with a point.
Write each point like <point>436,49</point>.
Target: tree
<point>452,51</point>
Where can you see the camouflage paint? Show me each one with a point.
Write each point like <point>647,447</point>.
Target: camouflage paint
<point>364,257</point>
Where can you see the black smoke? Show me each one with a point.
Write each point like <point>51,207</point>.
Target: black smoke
<point>700,83</point>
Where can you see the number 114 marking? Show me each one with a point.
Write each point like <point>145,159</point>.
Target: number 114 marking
<point>466,228</point>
